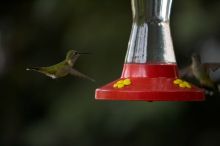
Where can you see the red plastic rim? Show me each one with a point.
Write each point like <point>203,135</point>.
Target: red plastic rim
<point>150,89</point>
<point>150,70</point>
<point>150,83</point>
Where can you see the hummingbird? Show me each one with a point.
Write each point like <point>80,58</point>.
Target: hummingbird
<point>200,71</point>
<point>63,68</point>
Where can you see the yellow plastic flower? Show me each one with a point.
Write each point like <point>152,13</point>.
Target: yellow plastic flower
<point>115,85</point>
<point>120,86</point>
<point>122,83</point>
<point>188,85</point>
<point>177,81</point>
<point>182,84</point>
<point>127,82</point>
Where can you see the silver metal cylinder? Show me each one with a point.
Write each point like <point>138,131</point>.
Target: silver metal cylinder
<point>150,39</point>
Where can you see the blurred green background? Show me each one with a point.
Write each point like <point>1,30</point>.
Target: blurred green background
<point>38,111</point>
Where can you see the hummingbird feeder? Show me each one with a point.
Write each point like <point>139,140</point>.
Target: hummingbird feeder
<point>150,72</point>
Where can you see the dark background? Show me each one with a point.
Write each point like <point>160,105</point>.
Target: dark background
<point>38,111</point>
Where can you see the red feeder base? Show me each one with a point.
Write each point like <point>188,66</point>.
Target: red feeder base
<point>150,82</point>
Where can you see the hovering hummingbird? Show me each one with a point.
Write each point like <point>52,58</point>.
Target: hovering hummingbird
<point>200,71</point>
<point>63,68</point>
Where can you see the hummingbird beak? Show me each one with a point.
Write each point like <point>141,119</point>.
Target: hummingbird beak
<point>84,53</point>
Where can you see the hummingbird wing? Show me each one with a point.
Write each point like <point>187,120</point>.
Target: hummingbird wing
<point>186,72</point>
<point>79,74</point>
<point>211,66</point>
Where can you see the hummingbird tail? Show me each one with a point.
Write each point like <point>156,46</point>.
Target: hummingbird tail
<point>33,68</point>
